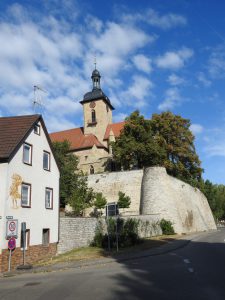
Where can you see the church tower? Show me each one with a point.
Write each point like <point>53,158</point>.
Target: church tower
<point>97,109</point>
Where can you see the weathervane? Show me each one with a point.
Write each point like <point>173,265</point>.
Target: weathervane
<point>95,61</point>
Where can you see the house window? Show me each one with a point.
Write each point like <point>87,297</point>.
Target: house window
<point>46,160</point>
<point>93,116</point>
<point>37,129</point>
<point>27,240</point>
<point>27,153</point>
<point>26,195</point>
<point>45,236</point>
<point>48,198</point>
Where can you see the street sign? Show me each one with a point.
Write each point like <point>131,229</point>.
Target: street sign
<point>11,229</point>
<point>12,243</point>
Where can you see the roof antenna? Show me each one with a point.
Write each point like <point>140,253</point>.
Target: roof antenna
<point>38,102</point>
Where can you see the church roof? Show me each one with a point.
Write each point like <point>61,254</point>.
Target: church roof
<point>96,94</point>
<point>77,139</point>
<point>115,128</point>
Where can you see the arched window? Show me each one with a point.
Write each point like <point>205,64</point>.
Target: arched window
<point>92,170</point>
<point>93,116</point>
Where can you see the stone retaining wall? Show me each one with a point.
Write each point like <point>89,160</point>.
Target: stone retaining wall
<point>75,233</point>
<point>79,232</point>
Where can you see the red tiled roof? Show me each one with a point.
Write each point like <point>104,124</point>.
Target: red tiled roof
<point>76,138</point>
<point>13,130</point>
<point>116,129</point>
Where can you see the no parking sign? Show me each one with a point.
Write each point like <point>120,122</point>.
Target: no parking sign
<point>11,229</point>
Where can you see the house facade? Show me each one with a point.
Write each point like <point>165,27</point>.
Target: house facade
<point>29,189</point>
<point>91,143</point>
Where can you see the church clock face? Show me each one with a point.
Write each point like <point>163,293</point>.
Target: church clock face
<point>92,104</point>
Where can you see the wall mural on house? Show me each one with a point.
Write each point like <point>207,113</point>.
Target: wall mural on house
<point>14,189</point>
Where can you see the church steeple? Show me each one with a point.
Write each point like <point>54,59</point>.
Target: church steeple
<point>96,79</point>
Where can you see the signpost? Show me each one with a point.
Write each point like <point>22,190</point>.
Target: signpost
<point>112,210</point>
<point>11,246</point>
<point>11,229</point>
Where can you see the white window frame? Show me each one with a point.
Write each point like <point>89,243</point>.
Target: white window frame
<point>37,129</point>
<point>28,203</point>
<point>47,189</point>
<point>27,147</point>
<point>48,154</point>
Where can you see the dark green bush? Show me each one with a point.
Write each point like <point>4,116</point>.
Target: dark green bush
<point>167,227</point>
<point>127,233</point>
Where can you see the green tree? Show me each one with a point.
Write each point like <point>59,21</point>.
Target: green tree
<point>136,146</point>
<point>68,167</point>
<point>175,137</point>
<point>100,201</point>
<point>123,200</point>
<point>73,184</point>
<point>82,196</point>
<point>215,195</point>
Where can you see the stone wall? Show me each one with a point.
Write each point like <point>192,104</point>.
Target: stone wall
<point>155,192</point>
<point>128,182</point>
<point>75,233</point>
<point>79,232</point>
<point>186,207</point>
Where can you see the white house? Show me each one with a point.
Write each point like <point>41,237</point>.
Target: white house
<point>29,189</point>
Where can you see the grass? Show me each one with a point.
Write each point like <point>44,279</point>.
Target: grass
<point>90,253</point>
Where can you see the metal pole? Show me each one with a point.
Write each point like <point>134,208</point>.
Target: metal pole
<point>23,232</point>
<point>10,255</point>
<point>24,255</point>
<point>107,222</point>
<point>117,244</point>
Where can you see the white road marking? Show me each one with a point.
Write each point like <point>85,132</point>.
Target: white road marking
<point>187,261</point>
<point>191,270</point>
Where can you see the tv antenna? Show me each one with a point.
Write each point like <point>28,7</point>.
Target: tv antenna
<point>38,100</point>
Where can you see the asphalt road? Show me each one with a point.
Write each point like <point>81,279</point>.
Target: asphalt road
<point>196,271</point>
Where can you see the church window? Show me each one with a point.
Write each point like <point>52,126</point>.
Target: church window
<point>93,116</point>
<point>92,170</point>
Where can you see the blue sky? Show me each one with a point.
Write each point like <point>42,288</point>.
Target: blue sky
<point>153,56</point>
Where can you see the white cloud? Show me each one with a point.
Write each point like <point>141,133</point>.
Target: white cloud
<point>165,21</point>
<point>94,23</point>
<point>119,117</point>
<point>216,149</point>
<point>153,18</point>
<point>216,65</point>
<point>173,79</point>
<point>56,124</point>
<point>142,63</point>
<point>174,60</point>
<point>196,128</point>
<point>138,93</point>
<point>202,78</point>
<point>172,99</point>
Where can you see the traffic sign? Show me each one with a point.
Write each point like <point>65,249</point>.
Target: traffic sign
<point>11,228</point>
<point>12,243</point>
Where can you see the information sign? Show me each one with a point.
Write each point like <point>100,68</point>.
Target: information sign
<point>11,229</point>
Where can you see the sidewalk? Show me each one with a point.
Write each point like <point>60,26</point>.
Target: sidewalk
<point>170,246</point>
